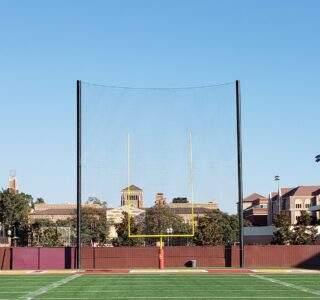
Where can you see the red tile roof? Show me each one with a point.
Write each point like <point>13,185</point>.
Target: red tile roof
<point>310,190</point>
<point>260,201</point>
<point>54,211</point>
<point>252,197</point>
<point>283,191</point>
<point>57,211</point>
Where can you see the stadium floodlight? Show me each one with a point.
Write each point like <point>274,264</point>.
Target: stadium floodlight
<point>317,157</point>
<point>277,178</point>
<point>169,231</point>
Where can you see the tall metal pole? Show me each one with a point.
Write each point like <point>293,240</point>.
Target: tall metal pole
<point>240,189</point>
<point>78,265</point>
<point>277,178</point>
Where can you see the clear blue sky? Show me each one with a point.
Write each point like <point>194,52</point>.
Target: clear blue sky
<point>271,46</point>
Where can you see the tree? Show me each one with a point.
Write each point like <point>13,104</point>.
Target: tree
<point>95,200</point>
<point>217,228</point>
<point>180,200</point>
<point>44,233</point>
<point>64,223</point>
<point>38,201</point>
<point>230,227</point>
<point>51,237</point>
<point>123,238</point>
<point>208,231</point>
<point>283,235</point>
<point>159,219</point>
<point>94,228</point>
<point>303,232</point>
<point>14,212</point>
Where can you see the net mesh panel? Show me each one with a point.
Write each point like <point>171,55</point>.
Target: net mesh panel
<point>159,122</point>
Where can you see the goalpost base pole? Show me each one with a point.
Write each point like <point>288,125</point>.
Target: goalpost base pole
<point>161,255</point>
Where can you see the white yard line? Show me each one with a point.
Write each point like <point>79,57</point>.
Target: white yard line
<point>188,297</point>
<point>50,287</point>
<point>144,290</point>
<point>286,284</point>
<point>167,271</point>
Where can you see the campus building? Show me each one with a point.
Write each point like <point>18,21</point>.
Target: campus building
<point>292,201</point>
<point>261,211</point>
<point>184,210</point>
<point>255,209</point>
<point>115,216</point>
<point>55,212</point>
<point>13,184</point>
<point>132,194</point>
<point>135,194</point>
<point>289,201</point>
<point>247,201</point>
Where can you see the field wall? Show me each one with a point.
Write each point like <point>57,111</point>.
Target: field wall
<point>307,256</point>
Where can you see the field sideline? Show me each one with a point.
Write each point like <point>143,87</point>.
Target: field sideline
<point>161,286</point>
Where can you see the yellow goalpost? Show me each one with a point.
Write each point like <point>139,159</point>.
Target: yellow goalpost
<point>163,235</point>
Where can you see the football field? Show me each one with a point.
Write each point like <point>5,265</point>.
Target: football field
<point>161,286</point>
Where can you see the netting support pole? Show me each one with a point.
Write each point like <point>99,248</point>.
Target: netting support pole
<point>240,189</point>
<point>78,264</point>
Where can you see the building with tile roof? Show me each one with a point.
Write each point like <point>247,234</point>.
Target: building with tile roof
<point>257,212</point>
<point>184,210</point>
<point>115,216</point>
<point>54,212</point>
<point>292,201</point>
<point>247,201</point>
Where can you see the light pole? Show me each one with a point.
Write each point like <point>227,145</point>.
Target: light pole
<point>169,231</point>
<point>277,178</point>
<point>14,236</point>
<point>9,237</point>
<point>317,158</point>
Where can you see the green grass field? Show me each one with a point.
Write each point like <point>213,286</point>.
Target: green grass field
<point>162,286</point>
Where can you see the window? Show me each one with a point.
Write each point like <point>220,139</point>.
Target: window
<point>298,203</point>
<point>307,203</point>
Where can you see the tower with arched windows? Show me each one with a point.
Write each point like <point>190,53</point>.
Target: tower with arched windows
<point>134,194</point>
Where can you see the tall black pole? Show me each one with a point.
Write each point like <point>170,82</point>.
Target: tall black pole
<point>240,191</point>
<point>78,265</point>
